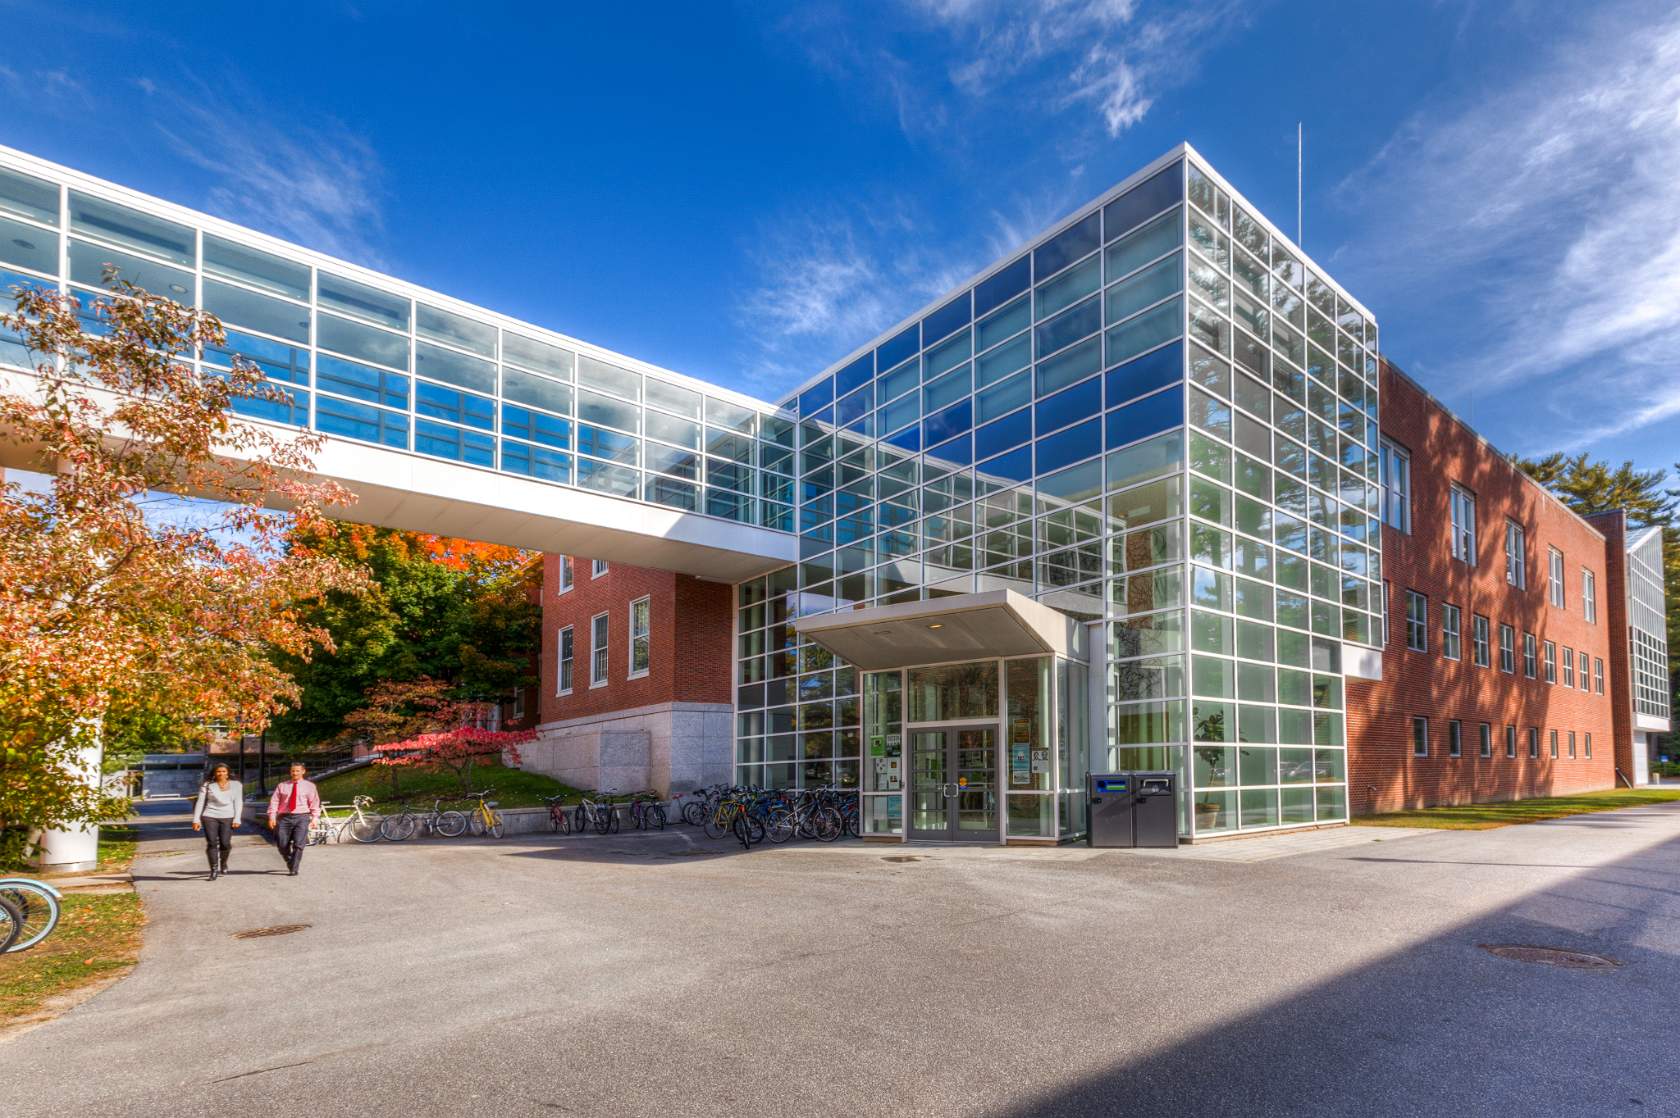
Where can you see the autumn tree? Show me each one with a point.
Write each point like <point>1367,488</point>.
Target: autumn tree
<point>418,723</point>
<point>101,600</point>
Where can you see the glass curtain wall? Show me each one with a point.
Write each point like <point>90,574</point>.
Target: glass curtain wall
<point>361,359</point>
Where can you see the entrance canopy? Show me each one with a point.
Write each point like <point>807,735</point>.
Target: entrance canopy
<point>940,630</point>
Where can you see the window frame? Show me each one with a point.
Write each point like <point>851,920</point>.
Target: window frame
<point>1484,741</point>
<point>1391,454</point>
<point>1534,742</point>
<point>1530,655</point>
<point>1417,628</point>
<point>565,659</point>
<point>567,579</point>
<point>1568,666</point>
<point>1572,745</point>
<point>1516,559</point>
<point>1420,741</point>
<point>1481,640</point>
<point>1598,675</point>
<point>1587,745</point>
<point>1552,745</point>
<point>1455,738</point>
<point>646,637</point>
<point>1548,660</point>
<point>1510,741</point>
<point>597,568</point>
<point>1589,596</point>
<point>599,657</point>
<point>1462,523</point>
<point>1452,631</point>
<point>1583,662</point>
<point>1556,569</point>
<point>1507,649</point>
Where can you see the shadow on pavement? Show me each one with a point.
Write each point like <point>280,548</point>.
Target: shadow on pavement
<point>1443,1027</point>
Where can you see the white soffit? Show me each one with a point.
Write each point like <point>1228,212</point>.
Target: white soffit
<point>941,630</point>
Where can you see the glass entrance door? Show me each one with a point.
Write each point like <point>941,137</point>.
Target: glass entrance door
<point>953,791</point>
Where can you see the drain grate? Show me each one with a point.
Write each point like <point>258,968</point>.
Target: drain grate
<point>902,858</point>
<point>276,930</point>
<point>1550,956</point>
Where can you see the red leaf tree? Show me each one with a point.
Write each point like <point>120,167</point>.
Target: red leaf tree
<point>415,723</point>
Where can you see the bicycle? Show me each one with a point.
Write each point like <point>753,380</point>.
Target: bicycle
<point>600,814</point>
<point>646,811</point>
<point>558,817</point>
<point>11,924</point>
<point>482,820</point>
<point>37,910</point>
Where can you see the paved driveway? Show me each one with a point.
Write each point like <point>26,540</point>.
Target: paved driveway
<point>628,975</point>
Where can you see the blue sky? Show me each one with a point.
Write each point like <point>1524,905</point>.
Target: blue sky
<point>745,192</point>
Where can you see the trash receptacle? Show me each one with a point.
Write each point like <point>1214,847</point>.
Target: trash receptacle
<point>1155,809</point>
<point>1111,810</point>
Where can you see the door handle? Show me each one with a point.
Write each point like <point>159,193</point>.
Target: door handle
<point>948,790</point>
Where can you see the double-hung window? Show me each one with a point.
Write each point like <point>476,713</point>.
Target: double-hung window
<point>1549,654</point>
<point>1396,476</point>
<point>1507,649</point>
<point>598,650</point>
<point>641,641</point>
<point>1510,741</point>
<point>1534,741</point>
<point>1572,745</point>
<point>1589,596</point>
<point>1479,640</point>
<point>1463,525</point>
<point>563,679</point>
<point>1598,678</point>
<point>1455,738</point>
<point>1528,655</point>
<point>597,568</point>
<point>1516,556</point>
<point>1452,644</point>
<point>1551,743</point>
<point>1568,667</point>
<point>1584,661</point>
<point>1420,737</point>
<point>565,573</point>
<point>1554,576</point>
<point>1484,740</point>
<point>1417,621</point>
<point>1588,745</point>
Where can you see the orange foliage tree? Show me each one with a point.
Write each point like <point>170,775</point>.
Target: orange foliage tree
<point>415,723</point>
<point>102,596</point>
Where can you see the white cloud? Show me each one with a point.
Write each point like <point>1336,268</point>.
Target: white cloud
<point>1543,214</point>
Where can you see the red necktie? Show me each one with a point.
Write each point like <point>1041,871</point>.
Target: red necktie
<point>291,804</point>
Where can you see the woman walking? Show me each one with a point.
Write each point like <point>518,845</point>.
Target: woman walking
<point>221,804</point>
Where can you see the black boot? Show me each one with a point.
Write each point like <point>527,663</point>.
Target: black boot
<point>215,865</point>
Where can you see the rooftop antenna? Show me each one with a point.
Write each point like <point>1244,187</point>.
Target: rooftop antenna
<point>1300,149</point>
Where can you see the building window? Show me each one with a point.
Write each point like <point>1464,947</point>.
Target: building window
<point>1510,741</point>
<point>641,643</point>
<point>1385,604</point>
<point>1588,745</point>
<point>563,681</point>
<point>1420,737</point>
<point>1598,676</point>
<point>1551,741</point>
<point>518,704</point>
<point>1452,643</point>
<point>1554,576</point>
<point>1507,649</point>
<point>598,650</point>
<point>1396,471</point>
<point>597,568</point>
<point>1417,621</point>
<point>1463,525</point>
<point>1479,639</point>
<point>1583,660</point>
<point>1589,596</point>
<point>1516,556</point>
<point>1572,745</point>
<point>1484,740</point>
<point>1455,738</point>
<point>565,573</point>
<point>1548,655</point>
<point>1528,655</point>
<point>1568,667</point>
<point>1534,741</point>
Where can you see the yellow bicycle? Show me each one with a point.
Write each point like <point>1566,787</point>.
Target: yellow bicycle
<point>483,819</point>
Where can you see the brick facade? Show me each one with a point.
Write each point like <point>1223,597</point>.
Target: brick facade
<point>689,626</point>
<point>1383,773</point>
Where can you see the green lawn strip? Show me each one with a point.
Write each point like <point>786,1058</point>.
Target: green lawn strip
<point>118,843</point>
<point>513,787</point>
<point>96,936</point>
<point>1482,817</point>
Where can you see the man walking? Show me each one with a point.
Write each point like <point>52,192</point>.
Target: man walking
<point>294,806</point>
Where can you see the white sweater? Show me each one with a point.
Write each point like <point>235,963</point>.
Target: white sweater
<point>215,802</point>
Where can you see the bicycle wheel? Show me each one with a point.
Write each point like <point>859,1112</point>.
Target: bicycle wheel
<point>612,819</point>
<point>827,825</point>
<point>37,909</point>
<point>717,824</point>
<point>11,925</point>
<point>364,829</point>
<point>694,813</point>
<point>580,819</point>
<point>748,830</point>
<point>451,824</point>
<point>656,816</point>
<point>780,826</point>
<point>399,828</point>
<point>497,827</point>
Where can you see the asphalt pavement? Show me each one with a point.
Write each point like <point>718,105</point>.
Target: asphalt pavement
<point>639,975</point>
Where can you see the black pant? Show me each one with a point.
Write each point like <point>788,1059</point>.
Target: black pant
<point>218,841</point>
<point>291,835</point>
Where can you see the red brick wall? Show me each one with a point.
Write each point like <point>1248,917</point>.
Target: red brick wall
<point>1620,683</point>
<point>1383,775</point>
<point>690,627</point>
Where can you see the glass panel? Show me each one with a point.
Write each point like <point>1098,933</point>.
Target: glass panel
<point>355,340</point>
<point>954,691</point>
<point>1027,729</point>
<point>27,246</point>
<point>29,197</point>
<point>361,300</point>
<point>594,373</point>
<point>541,356</point>
<point>123,226</point>
<point>88,263</point>
<point>456,368</point>
<point>456,329</point>
<point>259,269</point>
<point>236,306</point>
<point>539,392</point>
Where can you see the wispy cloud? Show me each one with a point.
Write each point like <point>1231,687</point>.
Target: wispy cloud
<point>316,183</point>
<point>1541,217</point>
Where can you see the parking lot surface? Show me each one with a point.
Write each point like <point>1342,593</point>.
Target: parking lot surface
<point>636,974</point>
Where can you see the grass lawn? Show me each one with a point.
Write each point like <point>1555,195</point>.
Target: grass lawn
<point>1483,817</point>
<point>117,845</point>
<point>513,787</point>
<point>97,936</point>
